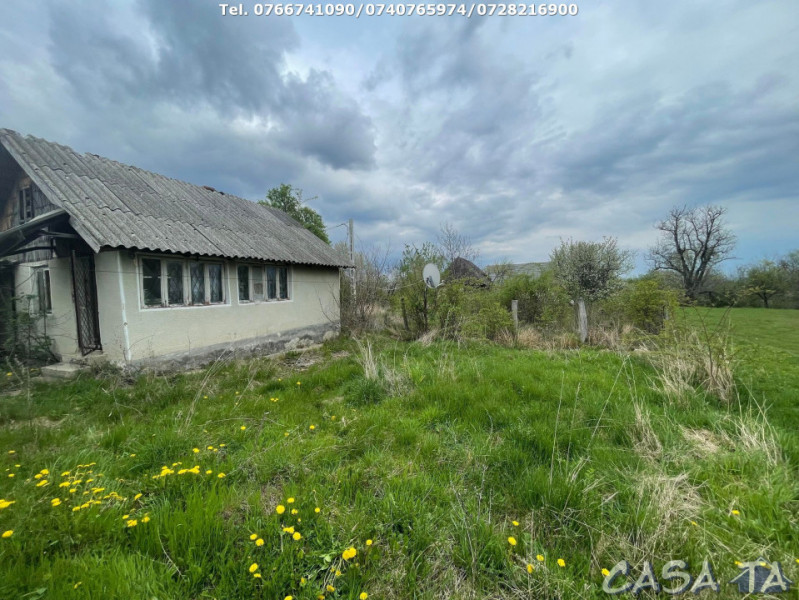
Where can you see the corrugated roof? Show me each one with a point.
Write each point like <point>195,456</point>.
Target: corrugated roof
<point>115,205</point>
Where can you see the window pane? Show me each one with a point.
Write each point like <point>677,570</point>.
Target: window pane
<point>284,282</point>
<point>271,283</point>
<point>48,302</point>
<point>244,283</point>
<point>151,281</point>
<point>257,283</point>
<point>197,283</point>
<point>174,282</point>
<point>43,290</point>
<point>215,282</point>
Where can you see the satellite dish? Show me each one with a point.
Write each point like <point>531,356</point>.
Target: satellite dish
<point>431,276</point>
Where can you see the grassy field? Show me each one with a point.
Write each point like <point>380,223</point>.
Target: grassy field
<point>404,471</point>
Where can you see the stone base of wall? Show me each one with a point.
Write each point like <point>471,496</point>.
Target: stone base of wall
<point>294,339</point>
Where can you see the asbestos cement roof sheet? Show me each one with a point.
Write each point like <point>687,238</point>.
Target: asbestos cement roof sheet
<point>115,205</point>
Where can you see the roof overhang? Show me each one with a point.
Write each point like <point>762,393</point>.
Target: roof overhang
<point>16,237</point>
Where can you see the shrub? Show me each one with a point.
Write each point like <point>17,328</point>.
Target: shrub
<point>542,301</point>
<point>464,311</point>
<point>648,304</point>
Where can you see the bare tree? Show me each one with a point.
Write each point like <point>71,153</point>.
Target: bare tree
<point>360,308</point>
<point>454,244</point>
<point>693,241</point>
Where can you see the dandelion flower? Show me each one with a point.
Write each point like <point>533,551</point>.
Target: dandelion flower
<point>221,475</point>
<point>694,524</point>
<point>253,567</point>
<point>297,537</point>
<point>55,501</point>
<point>137,496</point>
<point>12,451</point>
<point>515,523</point>
<point>133,455</point>
<point>243,427</point>
<point>280,509</point>
<point>209,472</point>
<point>286,434</point>
<point>349,553</point>
<point>195,450</point>
<point>294,511</point>
<point>338,573</point>
<point>132,523</point>
<point>530,568</point>
<point>512,541</point>
<point>330,588</point>
<point>256,575</point>
<point>363,596</point>
<point>254,536</point>
<point>539,557</point>
<point>736,512</point>
<point>145,519</point>
<point>74,587</point>
<point>605,572</point>
<point>317,509</point>
<point>125,517</point>
<point>299,383</point>
<point>259,542</point>
<point>368,542</point>
<point>290,501</point>
<point>288,529</point>
<point>738,563</point>
<point>312,427</point>
<point>302,581</point>
<point>561,563</point>
<point>42,482</point>
<point>289,598</point>
<point>11,475</point>
<point>44,472</point>
<point>6,503</point>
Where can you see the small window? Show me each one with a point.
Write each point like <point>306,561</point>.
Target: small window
<point>283,278</point>
<point>197,283</point>
<point>43,291</point>
<point>151,281</point>
<point>258,284</point>
<point>271,283</point>
<point>174,279</point>
<point>215,283</point>
<point>244,283</point>
<point>25,204</point>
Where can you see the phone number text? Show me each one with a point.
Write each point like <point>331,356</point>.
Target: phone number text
<point>400,10</point>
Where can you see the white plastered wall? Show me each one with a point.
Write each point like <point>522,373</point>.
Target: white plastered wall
<point>132,333</point>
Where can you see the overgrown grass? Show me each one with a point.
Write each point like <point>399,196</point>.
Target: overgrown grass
<point>437,453</point>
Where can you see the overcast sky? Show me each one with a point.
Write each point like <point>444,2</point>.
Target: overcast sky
<point>519,131</point>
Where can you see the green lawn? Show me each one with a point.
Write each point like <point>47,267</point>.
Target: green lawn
<point>439,460</point>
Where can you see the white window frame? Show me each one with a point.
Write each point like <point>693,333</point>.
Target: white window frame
<point>187,295</point>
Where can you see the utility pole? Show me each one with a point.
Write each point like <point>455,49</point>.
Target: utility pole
<point>352,258</point>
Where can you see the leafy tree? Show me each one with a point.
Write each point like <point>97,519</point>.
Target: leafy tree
<point>290,201</point>
<point>693,241</point>
<point>589,271</point>
<point>414,298</point>
<point>765,280</point>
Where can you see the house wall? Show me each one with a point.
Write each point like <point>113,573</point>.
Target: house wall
<point>58,324</point>
<point>137,335</point>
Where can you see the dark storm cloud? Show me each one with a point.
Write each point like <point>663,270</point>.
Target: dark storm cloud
<point>189,57</point>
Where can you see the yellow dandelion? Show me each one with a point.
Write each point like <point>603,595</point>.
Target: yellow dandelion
<point>256,575</point>
<point>286,434</point>
<point>561,563</point>
<point>290,501</point>
<point>289,598</point>
<point>6,503</point>
<point>288,529</point>
<point>65,473</point>
<point>74,587</point>
<point>330,588</point>
<point>253,536</point>
<point>210,448</point>
<point>338,573</point>
<point>349,553</point>
<point>369,542</point>
<point>363,596</point>
<point>137,496</point>
<point>195,450</point>
<point>299,383</point>
<point>11,475</point>
<point>280,509</point>
<point>302,581</point>
<point>12,451</point>
<point>145,519</point>
<point>738,563</point>
<point>42,482</point>
<point>44,472</point>
<point>222,445</point>
<point>221,475</point>
<point>736,512</point>
<point>317,510</point>
<point>694,524</point>
<point>297,537</point>
<point>312,427</point>
<point>209,472</point>
<point>333,418</point>
<point>530,568</point>
<point>539,557</point>
<point>132,523</point>
<point>55,501</point>
<point>37,476</point>
<point>605,572</point>
<point>259,542</point>
<point>294,511</point>
<point>512,541</point>
<point>133,455</point>
<point>125,517</point>
<point>515,523</point>
<point>253,567</point>
<point>243,427</point>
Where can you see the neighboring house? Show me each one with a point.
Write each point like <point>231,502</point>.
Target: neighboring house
<point>505,270</point>
<point>463,269</point>
<point>141,268</point>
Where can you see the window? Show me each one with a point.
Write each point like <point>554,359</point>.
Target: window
<point>151,281</point>
<point>244,283</point>
<point>181,282</point>
<point>43,291</point>
<point>174,282</point>
<point>277,283</point>
<point>25,204</point>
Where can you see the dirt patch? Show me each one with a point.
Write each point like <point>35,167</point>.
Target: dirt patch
<point>43,422</point>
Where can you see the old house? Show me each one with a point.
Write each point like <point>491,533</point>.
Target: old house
<point>139,268</point>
